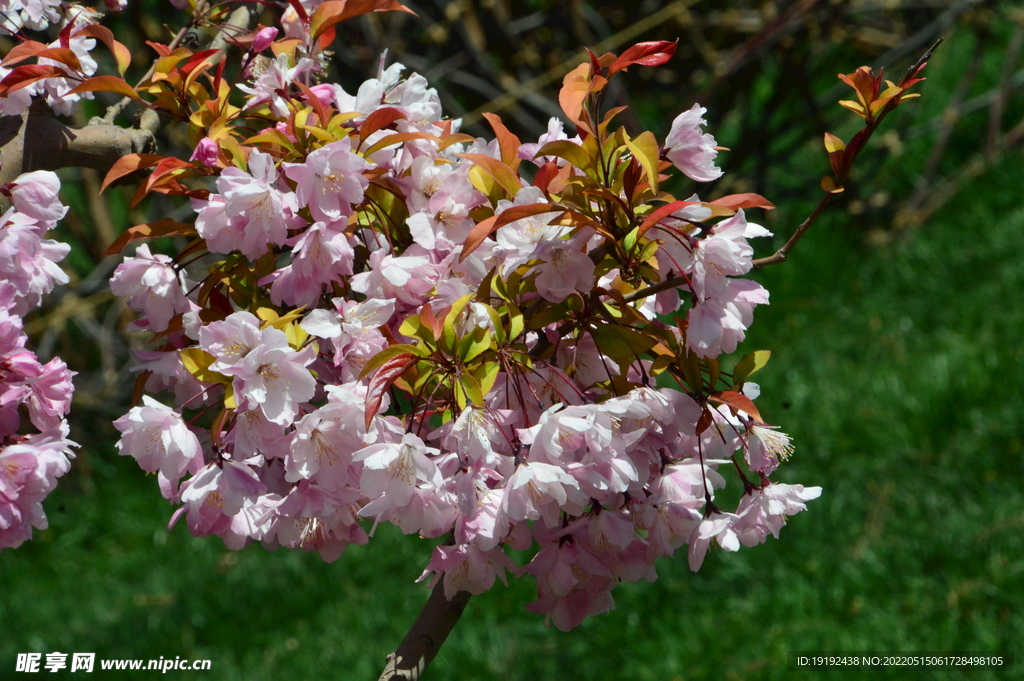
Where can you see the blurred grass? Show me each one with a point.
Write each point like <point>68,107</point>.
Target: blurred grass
<point>898,370</point>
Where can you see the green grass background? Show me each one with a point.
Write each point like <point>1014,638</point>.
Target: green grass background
<point>897,370</point>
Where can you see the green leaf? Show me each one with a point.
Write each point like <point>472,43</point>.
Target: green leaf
<point>448,336</point>
<point>646,151</point>
<point>473,345</point>
<point>750,364</point>
<point>619,342</point>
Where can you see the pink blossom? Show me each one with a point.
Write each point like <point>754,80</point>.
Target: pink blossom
<point>320,255</point>
<point>330,181</point>
<point>765,446</point>
<point>35,195</point>
<point>152,287</point>
<point>539,491</point>
<point>268,373</point>
<point>406,278</point>
<point>467,568</point>
<point>27,261</point>
<point>206,152</point>
<point>764,511</point>
<point>251,213</point>
<point>717,526</point>
<point>156,437</point>
<point>718,324</point>
<point>263,38</point>
<point>393,470</point>
<point>273,83</point>
<point>214,496</point>
<point>690,150</point>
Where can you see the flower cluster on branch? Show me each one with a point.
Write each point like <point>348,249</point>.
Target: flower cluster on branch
<point>378,318</point>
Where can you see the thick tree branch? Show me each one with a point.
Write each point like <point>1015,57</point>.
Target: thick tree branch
<point>426,636</point>
<point>38,140</point>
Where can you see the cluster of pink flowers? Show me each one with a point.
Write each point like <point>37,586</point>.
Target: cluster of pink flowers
<point>77,62</point>
<point>34,397</point>
<point>353,360</point>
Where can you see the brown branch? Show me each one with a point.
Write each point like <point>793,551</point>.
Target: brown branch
<point>782,254</point>
<point>426,636</point>
<point>38,140</point>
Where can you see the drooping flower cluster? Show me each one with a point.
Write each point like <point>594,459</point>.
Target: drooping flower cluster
<point>34,397</point>
<point>398,327</point>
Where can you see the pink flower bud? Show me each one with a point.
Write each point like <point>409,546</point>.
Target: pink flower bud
<point>263,38</point>
<point>206,152</point>
<point>116,5</point>
<point>324,92</point>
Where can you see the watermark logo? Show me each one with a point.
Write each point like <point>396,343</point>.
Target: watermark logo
<point>86,662</point>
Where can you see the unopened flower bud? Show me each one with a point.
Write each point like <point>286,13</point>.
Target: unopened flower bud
<point>263,39</point>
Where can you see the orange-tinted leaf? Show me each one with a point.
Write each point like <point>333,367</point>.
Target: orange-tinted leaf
<point>334,11</point>
<point>486,227</point>
<point>398,138</point>
<point>661,213</point>
<point>107,84</point>
<point>122,54</point>
<point>504,175</point>
<point>152,230</point>
<point>381,118</point>
<point>737,401</point>
<point>833,143</point>
<point>25,75</point>
<point>23,51</point>
<point>507,141</point>
<point>543,178</point>
<point>746,200</point>
<point>129,164</point>
<point>829,185</point>
<point>575,88</point>
<point>570,151</point>
<point>646,150</point>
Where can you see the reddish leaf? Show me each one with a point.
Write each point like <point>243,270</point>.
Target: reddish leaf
<point>382,380</point>
<point>543,178</point>
<point>653,53</point>
<point>661,213</point>
<point>484,228</point>
<point>25,75</point>
<point>334,11</point>
<point>152,230</point>
<point>23,51</point>
<point>194,61</point>
<point>314,101</point>
<point>107,84</point>
<point>160,48</point>
<point>61,54</point>
<point>129,164</point>
<point>122,54</point>
<point>737,401</point>
<point>507,141</point>
<point>381,118</point>
<point>747,200</point>
<point>704,422</point>
<point>165,166</point>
